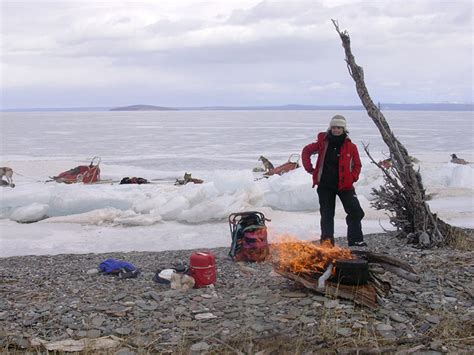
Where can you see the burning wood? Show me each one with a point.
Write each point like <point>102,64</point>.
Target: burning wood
<point>354,277</point>
<point>307,257</point>
<point>322,280</point>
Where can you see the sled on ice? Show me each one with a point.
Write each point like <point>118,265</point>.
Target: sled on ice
<point>292,164</point>
<point>87,174</point>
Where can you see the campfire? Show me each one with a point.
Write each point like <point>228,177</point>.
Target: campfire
<point>336,271</point>
<point>306,257</point>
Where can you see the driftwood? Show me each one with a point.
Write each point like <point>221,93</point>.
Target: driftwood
<point>403,194</point>
<point>390,264</point>
<point>402,273</point>
<point>365,295</point>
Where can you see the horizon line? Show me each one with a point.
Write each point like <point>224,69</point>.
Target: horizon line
<point>236,107</point>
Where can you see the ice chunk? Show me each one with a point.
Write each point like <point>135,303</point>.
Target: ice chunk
<point>33,212</point>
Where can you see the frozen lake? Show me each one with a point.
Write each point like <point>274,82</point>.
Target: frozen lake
<point>220,147</point>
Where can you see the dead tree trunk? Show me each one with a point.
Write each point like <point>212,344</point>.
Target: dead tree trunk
<point>403,194</point>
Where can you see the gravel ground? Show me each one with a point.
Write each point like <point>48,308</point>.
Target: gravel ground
<point>47,299</point>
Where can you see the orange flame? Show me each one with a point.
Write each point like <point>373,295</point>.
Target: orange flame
<point>299,256</point>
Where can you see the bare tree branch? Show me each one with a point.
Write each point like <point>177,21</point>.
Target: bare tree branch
<point>403,194</point>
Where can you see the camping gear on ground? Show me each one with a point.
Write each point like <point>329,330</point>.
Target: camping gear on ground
<point>352,271</point>
<point>202,268</point>
<point>291,164</point>
<point>180,268</point>
<point>133,180</point>
<point>249,236</point>
<point>182,281</point>
<point>122,269</point>
<point>86,174</point>
<point>163,276</point>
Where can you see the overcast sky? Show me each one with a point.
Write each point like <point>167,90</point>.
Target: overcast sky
<point>222,52</point>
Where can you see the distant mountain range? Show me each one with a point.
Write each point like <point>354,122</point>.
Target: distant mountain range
<point>383,106</point>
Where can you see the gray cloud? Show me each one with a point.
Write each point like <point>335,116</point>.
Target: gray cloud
<point>213,52</point>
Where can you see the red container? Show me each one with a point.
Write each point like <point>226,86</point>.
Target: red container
<point>202,268</point>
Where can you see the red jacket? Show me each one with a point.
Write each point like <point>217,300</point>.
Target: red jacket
<point>349,161</point>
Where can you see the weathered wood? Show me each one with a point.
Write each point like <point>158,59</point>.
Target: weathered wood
<point>372,257</point>
<point>400,272</point>
<point>403,194</point>
<point>365,295</point>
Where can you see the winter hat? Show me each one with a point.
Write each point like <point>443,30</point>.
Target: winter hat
<point>338,121</point>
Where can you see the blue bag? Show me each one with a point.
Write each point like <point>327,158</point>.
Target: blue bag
<point>112,266</point>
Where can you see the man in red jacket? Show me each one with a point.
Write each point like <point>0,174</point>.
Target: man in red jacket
<point>337,168</point>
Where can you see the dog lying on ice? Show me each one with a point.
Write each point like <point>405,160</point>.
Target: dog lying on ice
<point>456,160</point>
<point>187,179</point>
<point>266,163</point>
<point>8,173</point>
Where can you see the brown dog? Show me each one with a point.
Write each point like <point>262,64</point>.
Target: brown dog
<point>8,173</point>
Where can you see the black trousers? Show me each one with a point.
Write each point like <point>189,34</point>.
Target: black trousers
<point>327,203</point>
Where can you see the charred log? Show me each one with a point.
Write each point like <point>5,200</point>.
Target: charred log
<point>365,295</point>
<point>403,194</point>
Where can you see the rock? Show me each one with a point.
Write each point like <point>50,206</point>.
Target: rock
<point>120,296</point>
<point>384,327</point>
<point>306,320</point>
<point>258,327</point>
<point>201,346</point>
<point>331,304</point>
<point>151,306</point>
<point>424,327</point>
<point>305,302</point>
<point>153,294</point>
<point>125,351</point>
<point>92,271</point>
<point>168,319</point>
<point>450,299</point>
<point>93,333</point>
<point>117,310</point>
<point>433,319</point>
<point>294,294</point>
<point>436,344</point>
<point>204,316</point>
<point>97,321</point>
<point>255,301</point>
<point>228,324</point>
<point>344,331</point>
<point>424,239</point>
<point>67,320</point>
<point>123,331</point>
<point>388,335</point>
<point>140,341</point>
<point>81,334</point>
<point>396,317</point>
<point>180,310</point>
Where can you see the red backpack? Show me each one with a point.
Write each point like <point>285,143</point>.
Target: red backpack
<point>249,236</point>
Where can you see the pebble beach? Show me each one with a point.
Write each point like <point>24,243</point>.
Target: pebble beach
<point>53,303</point>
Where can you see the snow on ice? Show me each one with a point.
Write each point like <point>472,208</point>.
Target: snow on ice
<point>111,217</point>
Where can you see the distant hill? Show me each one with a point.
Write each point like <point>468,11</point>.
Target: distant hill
<point>292,107</point>
<point>143,108</point>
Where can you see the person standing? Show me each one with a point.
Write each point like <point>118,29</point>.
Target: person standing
<point>337,168</point>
